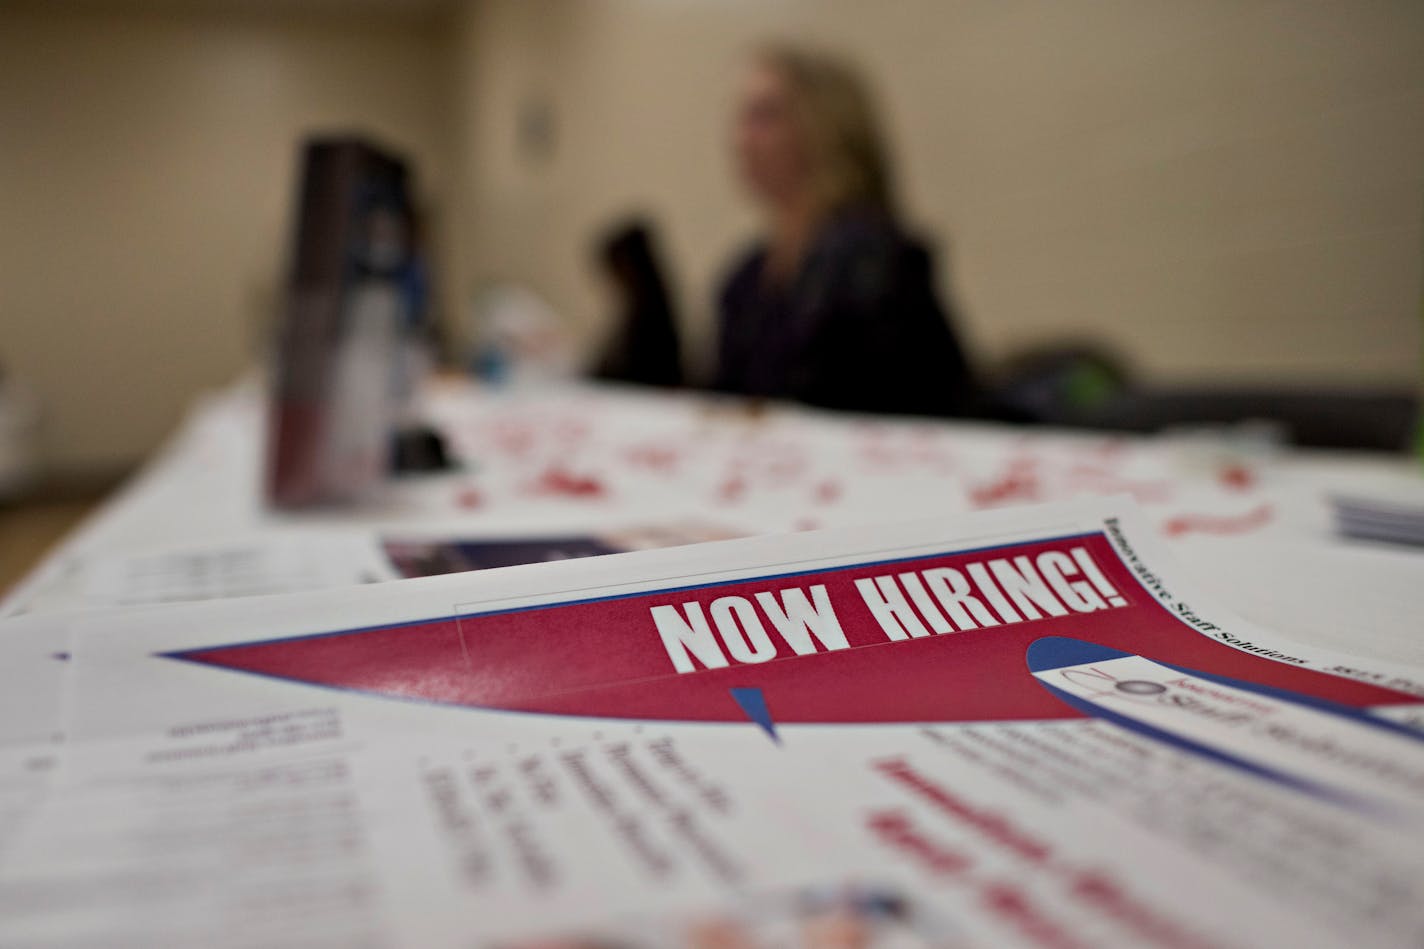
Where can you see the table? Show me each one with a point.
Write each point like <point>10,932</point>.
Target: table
<point>1251,522</point>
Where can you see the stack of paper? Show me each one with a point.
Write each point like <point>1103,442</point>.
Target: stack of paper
<point>1010,728</point>
<point>1392,513</point>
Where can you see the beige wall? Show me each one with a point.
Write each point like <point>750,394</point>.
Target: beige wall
<point>1218,188</point>
<point>146,168</point>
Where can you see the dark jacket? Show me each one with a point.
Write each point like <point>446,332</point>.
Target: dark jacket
<point>644,346</point>
<point>859,327</point>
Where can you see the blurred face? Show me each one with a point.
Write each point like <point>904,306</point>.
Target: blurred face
<point>771,151</point>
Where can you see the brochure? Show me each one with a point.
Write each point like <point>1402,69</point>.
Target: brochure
<point>1011,728</point>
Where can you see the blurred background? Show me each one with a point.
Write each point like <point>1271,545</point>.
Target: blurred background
<point>1218,195</point>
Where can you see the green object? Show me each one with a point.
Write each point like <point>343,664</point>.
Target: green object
<point>1090,385</point>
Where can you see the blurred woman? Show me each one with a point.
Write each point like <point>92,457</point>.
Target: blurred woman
<point>836,305</point>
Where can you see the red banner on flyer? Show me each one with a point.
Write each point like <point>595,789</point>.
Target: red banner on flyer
<point>927,639</point>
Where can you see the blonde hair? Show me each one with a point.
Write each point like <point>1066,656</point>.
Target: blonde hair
<point>850,164</point>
